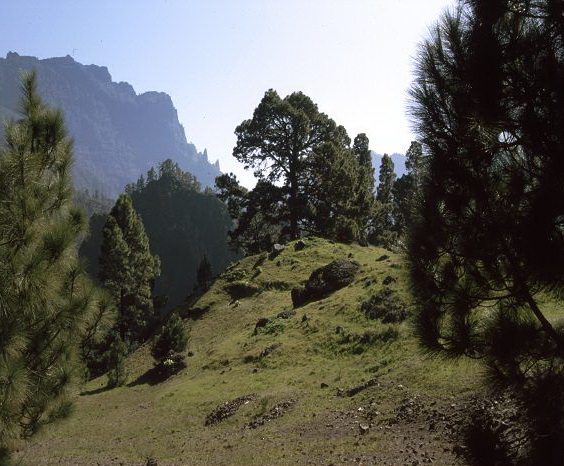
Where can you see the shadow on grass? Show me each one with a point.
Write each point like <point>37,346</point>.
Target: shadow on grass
<point>95,391</point>
<point>150,377</point>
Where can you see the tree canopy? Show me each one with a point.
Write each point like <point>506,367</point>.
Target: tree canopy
<point>311,181</point>
<point>488,242</point>
<point>49,310</point>
<point>128,269</point>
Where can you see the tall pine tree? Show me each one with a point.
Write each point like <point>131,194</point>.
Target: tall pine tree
<point>487,244</point>
<point>47,306</point>
<point>381,229</point>
<point>365,202</point>
<point>406,187</point>
<point>128,269</point>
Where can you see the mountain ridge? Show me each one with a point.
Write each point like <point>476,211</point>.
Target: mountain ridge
<point>118,133</point>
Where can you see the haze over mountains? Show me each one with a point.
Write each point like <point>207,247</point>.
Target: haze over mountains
<point>118,134</point>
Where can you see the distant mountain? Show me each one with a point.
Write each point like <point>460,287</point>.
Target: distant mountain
<point>398,159</point>
<point>118,134</point>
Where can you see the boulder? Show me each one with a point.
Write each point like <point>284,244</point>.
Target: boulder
<point>300,244</point>
<point>326,280</point>
<point>261,323</point>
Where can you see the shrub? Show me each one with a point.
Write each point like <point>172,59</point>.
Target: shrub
<point>115,357</point>
<point>385,306</point>
<point>171,338</point>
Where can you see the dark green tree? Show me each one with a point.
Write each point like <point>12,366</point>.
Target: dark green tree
<point>47,305</point>
<point>276,144</point>
<point>406,189</point>
<point>172,338</point>
<point>128,269</point>
<point>487,244</point>
<point>256,214</point>
<point>365,202</point>
<point>382,225</point>
<point>386,178</point>
<point>115,356</point>
<point>332,185</point>
<point>204,274</point>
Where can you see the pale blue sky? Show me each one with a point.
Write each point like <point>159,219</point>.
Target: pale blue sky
<point>216,58</point>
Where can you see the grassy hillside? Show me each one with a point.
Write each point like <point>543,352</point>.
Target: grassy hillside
<point>297,409</point>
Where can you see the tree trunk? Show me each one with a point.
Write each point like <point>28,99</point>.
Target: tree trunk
<point>293,201</point>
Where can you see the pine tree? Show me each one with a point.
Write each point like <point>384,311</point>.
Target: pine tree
<point>406,189</point>
<point>277,143</point>
<point>365,201</point>
<point>381,229</point>
<point>204,274</point>
<point>332,185</point>
<point>128,269</point>
<point>487,244</point>
<point>171,338</point>
<point>47,305</point>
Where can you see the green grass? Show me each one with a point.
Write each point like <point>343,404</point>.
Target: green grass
<point>166,421</point>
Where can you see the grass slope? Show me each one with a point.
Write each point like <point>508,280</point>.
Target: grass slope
<point>165,421</point>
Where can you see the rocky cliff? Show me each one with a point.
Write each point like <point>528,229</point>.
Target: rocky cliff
<point>118,134</point>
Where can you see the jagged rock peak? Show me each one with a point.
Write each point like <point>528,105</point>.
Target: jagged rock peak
<point>118,134</point>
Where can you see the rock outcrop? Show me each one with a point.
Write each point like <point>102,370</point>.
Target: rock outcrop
<point>325,280</point>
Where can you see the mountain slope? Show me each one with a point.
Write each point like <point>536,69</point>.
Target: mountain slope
<point>291,380</point>
<point>118,134</point>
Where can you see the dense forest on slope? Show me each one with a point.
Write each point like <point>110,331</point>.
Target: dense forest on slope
<point>118,134</point>
<point>183,224</point>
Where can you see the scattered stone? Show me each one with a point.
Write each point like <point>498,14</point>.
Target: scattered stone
<point>278,247</point>
<point>364,428</point>
<point>382,258</point>
<point>324,385</point>
<point>277,411</point>
<point>300,244</point>
<point>261,323</point>
<point>354,390</point>
<point>304,318</point>
<point>278,263</point>
<point>151,462</point>
<point>227,409</point>
<point>339,330</point>
<point>190,354</point>
<point>276,250</point>
<point>326,280</point>
<point>286,314</point>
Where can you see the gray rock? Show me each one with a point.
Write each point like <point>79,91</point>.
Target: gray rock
<point>326,280</point>
<point>300,244</point>
<point>261,323</point>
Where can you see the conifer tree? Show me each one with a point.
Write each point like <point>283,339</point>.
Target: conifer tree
<point>487,244</point>
<point>365,201</point>
<point>381,230</point>
<point>406,188</point>
<point>331,188</point>
<point>277,143</point>
<point>47,306</point>
<point>128,269</point>
<point>204,274</point>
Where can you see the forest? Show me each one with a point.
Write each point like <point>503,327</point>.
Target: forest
<point>460,260</point>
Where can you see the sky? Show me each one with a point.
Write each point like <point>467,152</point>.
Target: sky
<point>217,58</point>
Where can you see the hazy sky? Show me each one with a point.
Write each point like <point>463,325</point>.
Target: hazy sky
<point>216,58</point>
